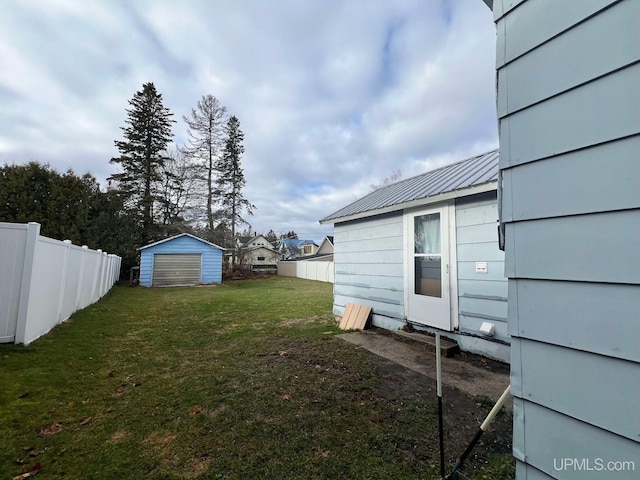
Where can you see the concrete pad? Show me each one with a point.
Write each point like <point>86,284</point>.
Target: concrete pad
<point>472,374</point>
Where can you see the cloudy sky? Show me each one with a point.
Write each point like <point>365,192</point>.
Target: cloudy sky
<point>332,95</point>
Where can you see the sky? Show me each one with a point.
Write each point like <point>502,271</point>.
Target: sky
<point>332,95</point>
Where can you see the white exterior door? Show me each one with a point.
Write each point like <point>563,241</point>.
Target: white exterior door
<point>428,268</point>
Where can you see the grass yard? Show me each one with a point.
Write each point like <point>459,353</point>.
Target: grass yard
<point>241,380</point>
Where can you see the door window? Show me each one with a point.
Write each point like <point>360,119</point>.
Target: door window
<point>428,255</point>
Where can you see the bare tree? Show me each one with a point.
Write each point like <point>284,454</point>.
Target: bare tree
<point>205,141</point>
<point>179,188</point>
<point>395,176</point>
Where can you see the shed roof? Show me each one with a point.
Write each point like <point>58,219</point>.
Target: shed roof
<point>178,236</point>
<point>451,181</point>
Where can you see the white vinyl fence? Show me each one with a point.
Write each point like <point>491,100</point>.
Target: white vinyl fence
<point>43,281</point>
<point>320,271</point>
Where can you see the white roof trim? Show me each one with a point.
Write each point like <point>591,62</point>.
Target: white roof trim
<point>485,187</point>
<point>177,236</point>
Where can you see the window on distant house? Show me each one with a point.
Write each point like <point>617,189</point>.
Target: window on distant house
<point>261,259</point>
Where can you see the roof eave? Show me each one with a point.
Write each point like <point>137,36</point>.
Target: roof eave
<point>164,240</point>
<point>443,197</point>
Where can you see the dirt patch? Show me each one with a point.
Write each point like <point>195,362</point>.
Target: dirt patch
<point>462,413</point>
<point>118,436</point>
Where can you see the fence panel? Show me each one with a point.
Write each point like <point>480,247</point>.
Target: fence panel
<point>43,281</point>
<point>319,271</point>
<point>13,240</point>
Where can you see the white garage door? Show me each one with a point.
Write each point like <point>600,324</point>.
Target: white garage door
<point>177,269</point>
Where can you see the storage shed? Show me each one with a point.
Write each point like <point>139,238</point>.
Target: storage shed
<point>424,251</point>
<point>180,260</point>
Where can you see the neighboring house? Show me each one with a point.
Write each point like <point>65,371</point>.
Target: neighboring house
<point>291,248</point>
<point>180,260</point>
<point>312,267</point>
<point>325,251</point>
<point>569,115</point>
<point>424,251</point>
<point>257,253</point>
<point>253,242</point>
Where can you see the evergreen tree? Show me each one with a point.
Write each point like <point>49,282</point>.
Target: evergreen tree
<point>146,136</point>
<point>205,144</point>
<point>231,180</point>
<point>68,207</point>
<point>271,237</point>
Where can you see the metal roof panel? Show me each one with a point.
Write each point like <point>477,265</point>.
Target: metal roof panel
<point>456,176</point>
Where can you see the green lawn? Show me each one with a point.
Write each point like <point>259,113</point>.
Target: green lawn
<point>240,380</point>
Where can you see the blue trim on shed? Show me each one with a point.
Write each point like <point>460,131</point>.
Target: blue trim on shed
<point>183,244</point>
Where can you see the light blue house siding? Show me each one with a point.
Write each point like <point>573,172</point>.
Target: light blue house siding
<point>482,296</point>
<point>370,269</point>
<point>211,257</point>
<point>569,116</point>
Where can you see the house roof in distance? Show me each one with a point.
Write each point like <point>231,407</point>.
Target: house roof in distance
<point>440,184</point>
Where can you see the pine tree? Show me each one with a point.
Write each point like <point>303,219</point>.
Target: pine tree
<point>146,136</point>
<point>205,144</point>
<point>231,180</point>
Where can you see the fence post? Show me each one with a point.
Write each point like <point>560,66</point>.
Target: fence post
<point>33,232</point>
<point>63,285</point>
<point>81,276</point>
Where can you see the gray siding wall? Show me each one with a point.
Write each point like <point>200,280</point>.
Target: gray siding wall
<point>368,258</point>
<point>481,296</point>
<point>569,116</point>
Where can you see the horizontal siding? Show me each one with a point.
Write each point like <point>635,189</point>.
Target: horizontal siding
<point>594,113</point>
<point>489,288</point>
<point>501,7</point>
<point>375,269</point>
<point>379,308</point>
<point>598,308</point>
<point>375,244</point>
<point>365,257</point>
<point>212,266</point>
<point>486,252</point>
<point>562,378</point>
<point>549,435</point>
<point>568,185</point>
<point>371,281</point>
<point>597,248</point>
<point>369,269</point>
<point>383,295</point>
<point>368,228</point>
<point>569,108</point>
<point>481,296</point>
<point>495,309</point>
<point>477,213</point>
<point>527,472</point>
<point>471,324</point>
<point>495,271</point>
<point>590,58</point>
<point>211,261</point>
<point>535,22</point>
<point>478,233</point>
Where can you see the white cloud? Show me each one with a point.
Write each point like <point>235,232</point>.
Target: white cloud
<point>332,95</point>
